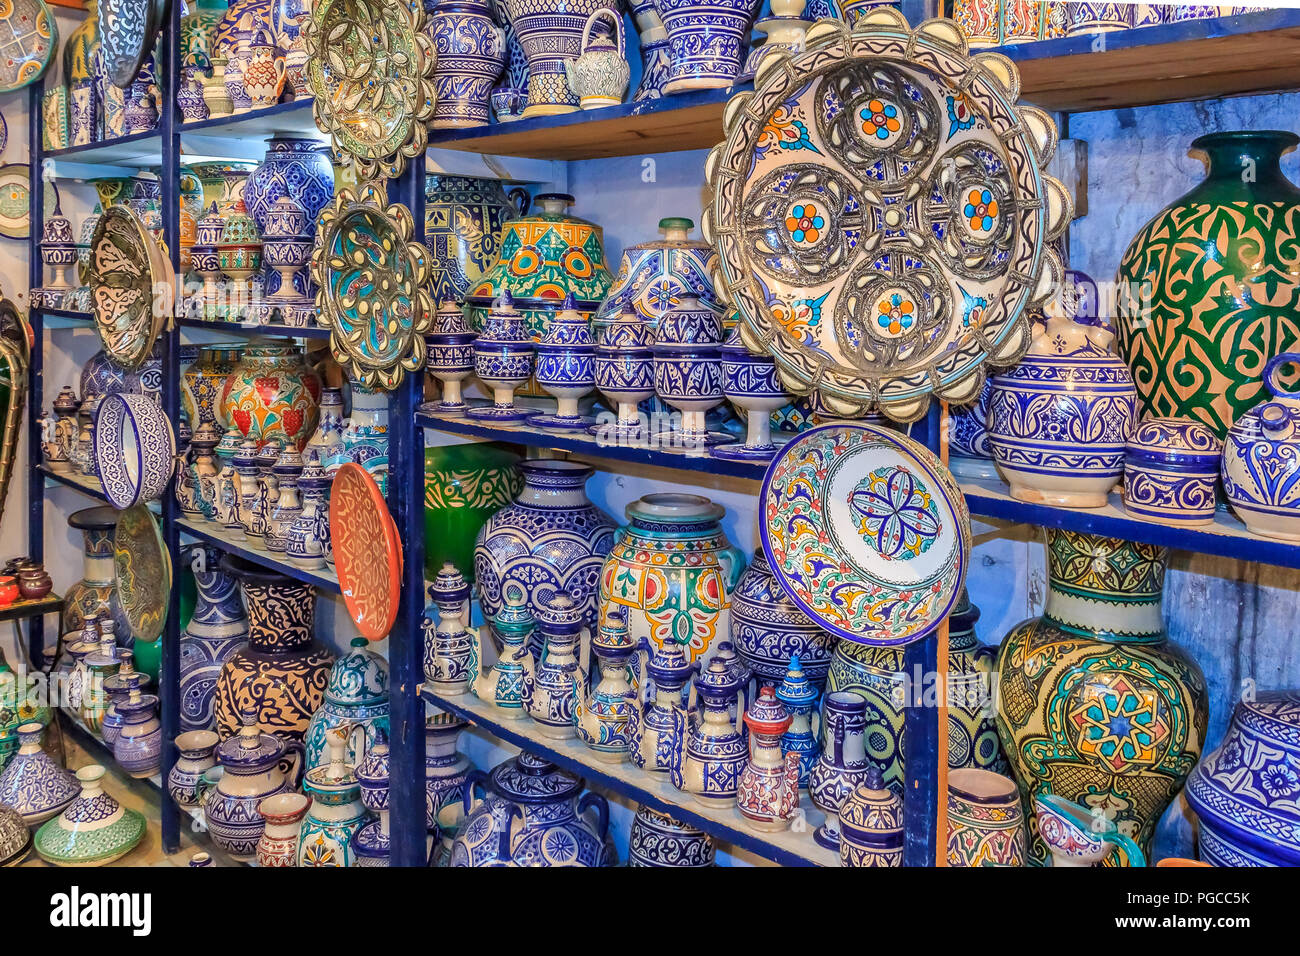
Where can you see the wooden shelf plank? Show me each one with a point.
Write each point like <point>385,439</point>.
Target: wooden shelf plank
<point>214,534</point>
<point>21,609</point>
<point>252,328</point>
<point>787,848</point>
<point>86,485</point>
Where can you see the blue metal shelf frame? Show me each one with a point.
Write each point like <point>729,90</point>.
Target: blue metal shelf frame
<point>250,329</point>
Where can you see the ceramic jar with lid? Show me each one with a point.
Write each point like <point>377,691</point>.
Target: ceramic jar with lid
<point>254,766</point>
<point>1170,467</point>
<point>768,793</point>
<point>371,843</point>
<point>674,571</point>
<point>688,369</point>
<point>566,369</point>
<point>1261,464</point>
<point>93,830</point>
<point>625,374</point>
<point>767,628</point>
<point>138,748</point>
<point>503,361</point>
<point>336,811</point>
<point>871,824</point>
<point>655,276</point>
<point>560,624</point>
<point>448,644</point>
<point>1060,420</point>
<point>356,698</point>
<point>451,357</point>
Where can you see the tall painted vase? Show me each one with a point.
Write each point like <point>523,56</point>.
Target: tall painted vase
<point>217,629</point>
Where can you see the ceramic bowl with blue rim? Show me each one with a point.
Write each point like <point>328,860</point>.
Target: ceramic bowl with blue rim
<point>134,449</point>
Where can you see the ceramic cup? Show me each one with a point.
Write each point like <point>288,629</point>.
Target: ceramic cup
<point>134,449</point>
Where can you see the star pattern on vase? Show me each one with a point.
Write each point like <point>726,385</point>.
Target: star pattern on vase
<point>1120,722</point>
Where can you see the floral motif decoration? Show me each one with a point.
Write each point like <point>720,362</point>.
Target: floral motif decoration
<point>981,210</point>
<point>784,130</point>
<point>805,223</point>
<point>1121,722</point>
<point>880,120</point>
<point>372,287</point>
<point>896,314</point>
<point>895,513</point>
<point>972,309</point>
<point>960,115</point>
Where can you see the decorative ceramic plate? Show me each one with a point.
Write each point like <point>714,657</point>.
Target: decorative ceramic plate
<point>143,572</point>
<point>367,551</point>
<point>371,280</point>
<point>371,73</point>
<point>866,531</point>
<point>15,368</point>
<point>129,283</point>
<point>16,199</point>
<point>4,133</point>
<point>881,216</point>
<point>126,34</point>
<point>28,37</point>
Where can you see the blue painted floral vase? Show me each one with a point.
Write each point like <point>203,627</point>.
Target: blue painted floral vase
<point>216,630</point>
<point>1261,464</point>
<point>1170,467</point>
<point>471,51</point>
<point>1059,421</point>
<point>356,699</point>
<point>566,358</point>
<point>768,629</point>
<point>707,39</point>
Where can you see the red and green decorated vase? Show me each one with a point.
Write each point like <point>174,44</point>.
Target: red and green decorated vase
<point>272,393</point>
<point>464,485</point>
<point>1094,704</point>
<point>1209,290</point>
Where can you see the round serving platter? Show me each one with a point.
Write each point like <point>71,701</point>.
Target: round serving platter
<point>367,551</point>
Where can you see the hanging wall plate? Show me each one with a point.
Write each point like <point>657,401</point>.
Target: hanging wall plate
<point>16,199</point>
<point>142,572</point>
<point>371,280</point>
<point>866,531</point>
<point>367,551</point>
<point>127,29</point>
<point>30,38</point>
<point>371,74</point>
<point>881,215</point>
<point>15,365</point>
<point>130,287</point>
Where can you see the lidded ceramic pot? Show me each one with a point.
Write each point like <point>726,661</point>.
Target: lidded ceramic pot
<point>93,830</point>
<point>254,766</point>
<point>1169,471</point>
<point>871,824</point>
<point>1059,421</point>
<point>566,368</point>
<point>451,357</point>
<point>767,628</point>
<point>32,782</point>
<point>768,794</point>
<point>752,385</point>
<point>688,368</point>
<point>655,276</point>
<point>503,361</point>
<point>625,373</point>
<point>1244,793</point>
<point>1261,460</point>
<point>138,748</point>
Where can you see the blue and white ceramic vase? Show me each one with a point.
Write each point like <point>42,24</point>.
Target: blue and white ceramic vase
<point>767,628</point>
<point>138,748</point>
<point>708,754</point>
<point>300,169</point>
<point>217,629</point>
<point>1100,17</point>
<point>503,361</point>
<point>566,368</point>
<point>307,536</point>
<point>688,369</point>
<point>471,51</point>
<point>658,840</point>
<point>1170,468</point>
<point>659,714</point>
<point>707,39</point>
<point>1245,792</point>
<point>799,696</point>
<point>445,767</point>
<point>448,645</point>
<point>842,764</point>
<point>451,358</point>
<point>1059,421</point>
<point>510,95</point>
<point>356,700</point>
<point>1261,460</point>
<point>656,64</point>
<point>370,844</point>
<point>654,276</point>
<point>196,754</point>
<point>550,33</point>
<point>33,783</point>
<point>551,538</point>
<point>625,374</point>
<point>970,455</point>
<point>365,436</point>
<point>783,31</point>
<point>551,702</point>
<point>751,383</point>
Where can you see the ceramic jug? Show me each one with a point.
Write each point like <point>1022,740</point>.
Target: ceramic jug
<point>336,811</point>
<point>842,764</point>
<point>709,753</point>
<point>448,642</point>
<point>507,683</point>
<point>986,825</point>
<point>599,75</point>
<point>768,792</point>
<point>196,753</point>
<point>601,716</point>
<point>656,718</point>
<point>254,766</point>
<point>1077,836</point>
<point>552,701</point>
<point>283,813</point>
<point>1260,464</point>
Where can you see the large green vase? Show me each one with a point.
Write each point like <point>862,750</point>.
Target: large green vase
<point>1093,702</point>
<point>1209,290</point>
<point>464,485</point>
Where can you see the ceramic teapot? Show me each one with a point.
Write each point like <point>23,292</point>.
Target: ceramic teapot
<point>601,716</point>
<point>1261,460</point>
<point>508,683</point>
<point>1077,836</point>
<point>655,719</point>
<point>254,766</point>
<point>709,754</point>
<point>336,811</point>
<point>448,643</point>
<point>600,73</point>
<point>768,792</point>
<point>552,700</point>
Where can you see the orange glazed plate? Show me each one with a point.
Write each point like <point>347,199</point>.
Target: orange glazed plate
<point>367,551</point>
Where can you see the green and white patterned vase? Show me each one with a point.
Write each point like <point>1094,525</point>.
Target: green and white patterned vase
<point>355,697</point>
<point>94,829</point>
<point>1094,704</point>
<point>1222,290</point>
<point>336,809</point>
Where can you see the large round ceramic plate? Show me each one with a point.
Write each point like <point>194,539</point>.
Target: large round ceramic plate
<point>16,199</point>
<point>129,287</point>
<point>371,280</point>
<point>371,73</point>
<point>866,531</point>
<point>142,571</point>
<point>29,37</point>
<point>367,551</point>
<point>126,34</point>
<point>881,216</point>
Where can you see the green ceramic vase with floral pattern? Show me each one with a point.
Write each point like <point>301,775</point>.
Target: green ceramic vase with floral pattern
<point>464,485</point>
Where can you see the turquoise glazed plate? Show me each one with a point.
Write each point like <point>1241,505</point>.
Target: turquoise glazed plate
<point>866,531</point>
<point>30,36</point>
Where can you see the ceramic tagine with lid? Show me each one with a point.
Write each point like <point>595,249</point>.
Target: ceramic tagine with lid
<point>33,783</point>
<point>15,837</point>
<point>94,829</point>
<point>356,698</point>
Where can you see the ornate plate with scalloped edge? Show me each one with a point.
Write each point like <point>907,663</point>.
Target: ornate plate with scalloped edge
<point>130,287</point>
<point>881,214</point>
<point>142,572</point>
<point>371,74</point>
<point>31,36</point>
<point>371,279</point>
<point>367,551</point>
<point>866,531</point>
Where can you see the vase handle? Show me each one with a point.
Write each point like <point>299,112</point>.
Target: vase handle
<point>1130,853</point>
<point>475,776</point>
<point>591,799</point>
<point>519,196</point>
<point>1271,370</point>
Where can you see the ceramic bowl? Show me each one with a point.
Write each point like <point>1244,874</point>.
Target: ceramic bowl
<point>134,449</point>
<point>8,589</point>
<point>1170,467</point>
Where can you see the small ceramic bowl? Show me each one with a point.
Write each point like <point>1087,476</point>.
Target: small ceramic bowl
<point>34,583</point>
<point>134,449</point>
<point>1170,467</point>
<point>8,589</point>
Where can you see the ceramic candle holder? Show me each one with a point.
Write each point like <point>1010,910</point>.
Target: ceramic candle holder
<point>451,358</point>
<point>503,360</point>
<point>688,369</point>
<point>624,373</point>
